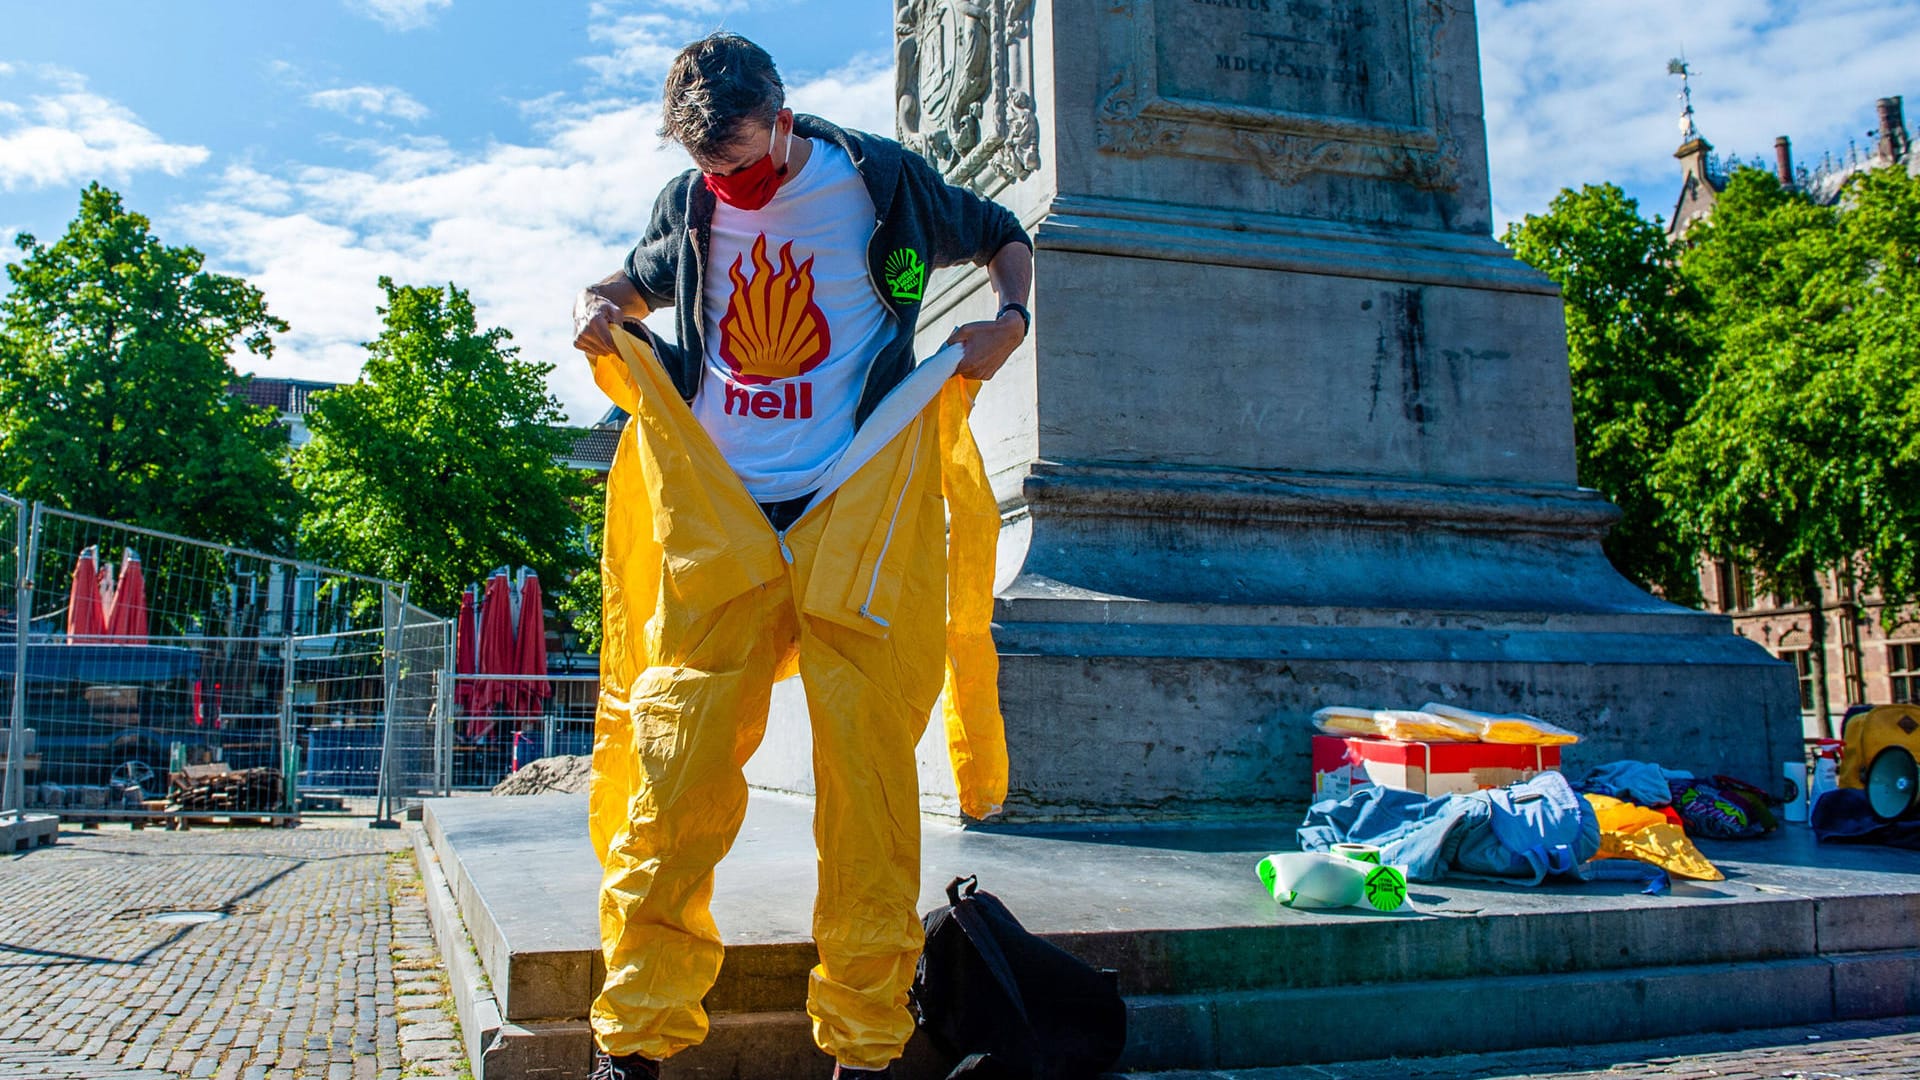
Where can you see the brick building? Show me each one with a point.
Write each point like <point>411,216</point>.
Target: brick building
<point>1867,662</point>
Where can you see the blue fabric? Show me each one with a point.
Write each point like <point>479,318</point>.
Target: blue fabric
<point>1640,782</point>
<point>1547,828</point>
<point>1843,816</point>
<point>1526,832</point>
<point>1411,830</point>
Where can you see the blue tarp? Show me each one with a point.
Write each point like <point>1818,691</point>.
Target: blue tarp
<point>104,663</point>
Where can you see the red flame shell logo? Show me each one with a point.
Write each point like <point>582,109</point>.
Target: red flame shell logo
<point>772,330</point>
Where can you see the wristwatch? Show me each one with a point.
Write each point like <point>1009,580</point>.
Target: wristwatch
<point>1026,317</point>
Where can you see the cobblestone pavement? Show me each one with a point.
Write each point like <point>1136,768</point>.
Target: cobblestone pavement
<point>1855,1050</point>
<point>322,965</point>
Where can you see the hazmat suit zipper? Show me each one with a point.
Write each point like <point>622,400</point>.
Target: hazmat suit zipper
<point>913,465</point>
<point>886,542</point>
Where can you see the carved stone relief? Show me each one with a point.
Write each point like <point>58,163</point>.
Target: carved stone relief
<point>964,87</point>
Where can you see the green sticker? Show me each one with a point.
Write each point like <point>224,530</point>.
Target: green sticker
<point>906,275</point>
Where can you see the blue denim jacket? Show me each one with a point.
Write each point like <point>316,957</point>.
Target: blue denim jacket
<point>1525,832</point>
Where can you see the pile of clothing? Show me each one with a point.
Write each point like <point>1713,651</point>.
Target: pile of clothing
<point>1628,820</point>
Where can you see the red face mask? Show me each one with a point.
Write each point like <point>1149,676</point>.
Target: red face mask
<point>752,187</point>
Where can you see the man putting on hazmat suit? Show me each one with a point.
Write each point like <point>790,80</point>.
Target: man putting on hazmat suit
<point>792,494</point>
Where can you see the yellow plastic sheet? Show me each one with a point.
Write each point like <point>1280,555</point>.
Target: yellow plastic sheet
<point>1404,725</point>
<point>1511,728</point>
<point>1631,831</point>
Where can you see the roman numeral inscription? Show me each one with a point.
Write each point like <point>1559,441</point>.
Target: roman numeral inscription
<point>1348,59</point>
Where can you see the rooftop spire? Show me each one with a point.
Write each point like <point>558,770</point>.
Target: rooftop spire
<point>1679,66</point>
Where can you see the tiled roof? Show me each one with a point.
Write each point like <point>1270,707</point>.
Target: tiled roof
<point>286,395</point>
<point>595,445</point>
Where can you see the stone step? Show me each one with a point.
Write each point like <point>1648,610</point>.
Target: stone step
<point>1216,975</point>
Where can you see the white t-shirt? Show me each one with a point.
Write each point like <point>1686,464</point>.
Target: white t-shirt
<point>792,325</point>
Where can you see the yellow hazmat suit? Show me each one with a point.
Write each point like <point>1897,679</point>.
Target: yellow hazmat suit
<point>705,607</point>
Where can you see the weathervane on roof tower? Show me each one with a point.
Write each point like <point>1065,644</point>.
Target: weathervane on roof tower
<point>1679,66</point>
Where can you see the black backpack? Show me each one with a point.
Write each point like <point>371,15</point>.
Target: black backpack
<point>1007,1004</point>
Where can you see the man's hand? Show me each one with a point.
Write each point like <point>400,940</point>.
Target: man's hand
<point>986,345</point>
<point>602,306</point>
<point>594,317</point>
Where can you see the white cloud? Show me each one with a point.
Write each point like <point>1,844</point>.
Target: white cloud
<point>859,95</point>
<point>400,14</point>
<point>364,101</point>
<point>640,44</point>
<point>522,226</point>
<point>641,39</point>
<point>71,135</point>
<point>1578,92</point>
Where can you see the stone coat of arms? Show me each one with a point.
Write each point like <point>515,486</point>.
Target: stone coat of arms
<point>964,88</point>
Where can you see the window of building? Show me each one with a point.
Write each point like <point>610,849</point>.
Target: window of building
<point>1802,662</point>
<point>1733,586</point>
<point>1903,665</point>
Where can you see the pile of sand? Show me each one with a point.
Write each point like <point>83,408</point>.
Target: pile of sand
<point>566,772</point>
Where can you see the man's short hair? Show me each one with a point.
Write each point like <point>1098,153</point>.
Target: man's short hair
<point>716,85</point>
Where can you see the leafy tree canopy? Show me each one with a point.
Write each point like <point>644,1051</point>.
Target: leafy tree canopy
<point>438,465</point>
<point>580,600</point>
<point>1634,364</point>
<point>1785,463</point>
<point>1799,458</point>
<point>115,377</point>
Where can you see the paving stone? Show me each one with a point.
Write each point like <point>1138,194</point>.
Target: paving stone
<point>412,1034</point>
<point>304,960</point>
<point>433,1050</point>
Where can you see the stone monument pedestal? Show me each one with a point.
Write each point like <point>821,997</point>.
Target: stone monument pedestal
<point>1291,429</point>
<point>1216,975</point>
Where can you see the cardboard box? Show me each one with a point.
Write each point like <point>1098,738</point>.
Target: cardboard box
<point>1343,765</point>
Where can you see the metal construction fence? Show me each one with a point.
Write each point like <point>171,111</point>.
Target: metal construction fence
<point>155,675</point>
<point>488,745</point>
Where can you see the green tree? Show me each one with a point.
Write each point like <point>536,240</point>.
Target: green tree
<point>579,601</point>
<point>1882,228</point>
<point>1799,458</point>
<point>1633,362</point>
<point>115,383</point>
<point>438,465</point>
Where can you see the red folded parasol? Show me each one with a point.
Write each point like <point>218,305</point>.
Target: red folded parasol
<point>463,689</point>
<point>530,652</point>
<point>127,617</point>
<point>84,617</point>
<point>495,651</point>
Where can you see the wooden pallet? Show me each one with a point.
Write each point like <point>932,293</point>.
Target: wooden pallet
<point>215,791</point>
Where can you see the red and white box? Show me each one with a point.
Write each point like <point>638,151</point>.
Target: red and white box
<point>1343,765</point>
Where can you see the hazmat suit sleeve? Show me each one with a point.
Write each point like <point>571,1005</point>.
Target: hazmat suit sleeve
<point>970,703</point>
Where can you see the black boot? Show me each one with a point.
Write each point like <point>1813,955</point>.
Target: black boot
<point>623,1067</point>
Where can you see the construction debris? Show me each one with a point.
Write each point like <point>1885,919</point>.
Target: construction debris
<point>216,789</point>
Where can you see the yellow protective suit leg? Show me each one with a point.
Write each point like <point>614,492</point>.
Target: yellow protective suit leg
<point>870,692</point>
<point>695,716</point>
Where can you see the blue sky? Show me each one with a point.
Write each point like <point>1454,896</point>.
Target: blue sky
<point>508,146</point>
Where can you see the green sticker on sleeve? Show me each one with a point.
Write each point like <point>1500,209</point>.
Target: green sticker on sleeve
<point>906,275</point>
